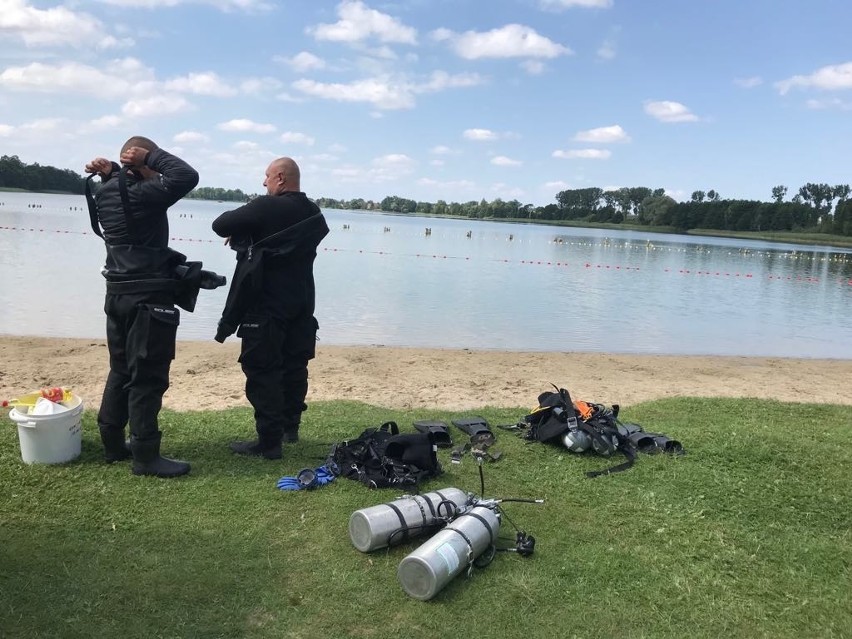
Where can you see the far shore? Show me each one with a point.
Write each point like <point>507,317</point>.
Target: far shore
<point>782,237</point>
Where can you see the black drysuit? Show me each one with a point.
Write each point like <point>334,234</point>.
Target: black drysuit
<point>271,304</point>
<point>142,319</point>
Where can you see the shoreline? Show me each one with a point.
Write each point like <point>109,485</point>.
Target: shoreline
<point>206,376</point>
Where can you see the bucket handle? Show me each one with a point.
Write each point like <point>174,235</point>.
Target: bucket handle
<point>27,424</point>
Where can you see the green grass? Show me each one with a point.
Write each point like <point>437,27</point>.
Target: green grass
<point>748,535</point>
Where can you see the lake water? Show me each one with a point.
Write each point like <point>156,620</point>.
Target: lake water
<point>381,279</point>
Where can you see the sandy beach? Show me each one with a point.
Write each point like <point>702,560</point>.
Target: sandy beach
<point>206,375</point>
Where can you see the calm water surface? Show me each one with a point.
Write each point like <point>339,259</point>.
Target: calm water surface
<point>381,279</point>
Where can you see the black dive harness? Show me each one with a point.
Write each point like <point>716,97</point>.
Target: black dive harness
<point>144,269</point>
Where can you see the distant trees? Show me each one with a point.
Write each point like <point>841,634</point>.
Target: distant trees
<point>217,193</point>
<point>15,174</point>
<point>816,207</point>
<point>808,211</point>
<point>778,193</point>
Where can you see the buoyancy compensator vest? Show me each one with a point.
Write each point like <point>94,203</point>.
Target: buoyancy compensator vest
<point>382,457</point>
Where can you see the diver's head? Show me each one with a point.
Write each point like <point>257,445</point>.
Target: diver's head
<point>138,165</point>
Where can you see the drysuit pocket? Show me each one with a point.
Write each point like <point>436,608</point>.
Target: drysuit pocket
<point>155,331</point>
<point>258,349</point>
<point>301,338</point>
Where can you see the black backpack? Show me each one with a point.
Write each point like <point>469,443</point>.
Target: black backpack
<point>382,457</point>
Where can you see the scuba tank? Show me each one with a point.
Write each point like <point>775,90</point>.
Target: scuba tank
<point>401,519</point>
<point>424,572</point>
<point>576,441</point>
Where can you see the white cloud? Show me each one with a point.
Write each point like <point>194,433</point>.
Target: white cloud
<point>559,185</point>
<point>56,26</point>
<point>393,160</point>
<point>358,22</point>
<point>259,85</point>
<point>436,162</point>
<point>302,62</point>
<point>440,80</point>
<point>668,111</point>
<point>105,123</point>
<point>324,157</point>
<point>833,103</point>
<point>502,160</point>
<point>43,125</point>
<point>510,41</point>
<point>118,78</point>
<point>380,92</point>
<point>479,134</point>
<point>748,83</point>
<point>222,5</point>
<point>207,83</point>
<point>293,137</point>
<point>245,146</point>
<point>603,135</point>
<point>286,97</point>
<point>582,154</point>
<point>441,150</point>
<point>190,137</point>
<point>829,78</point>
<point>386,92</point>
<point>242,125</point>
<point>156,105</point>
<point>66,78</point>
<point>568,4</point>
<point>6,130</point>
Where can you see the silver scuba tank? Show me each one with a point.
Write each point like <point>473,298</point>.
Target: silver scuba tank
<point>577,441</point>
<point>424,572</point>
<point>401,519</point>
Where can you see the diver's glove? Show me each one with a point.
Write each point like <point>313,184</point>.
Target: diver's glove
<point>306,479</point>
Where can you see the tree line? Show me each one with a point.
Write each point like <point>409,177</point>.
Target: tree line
<point>815,207</point>
<point>15,174</point>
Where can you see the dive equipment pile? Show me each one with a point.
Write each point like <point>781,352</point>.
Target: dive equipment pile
<point>583,426</point>
<point>463,529</point>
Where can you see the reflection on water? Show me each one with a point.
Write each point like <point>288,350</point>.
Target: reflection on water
<point>468,284</point>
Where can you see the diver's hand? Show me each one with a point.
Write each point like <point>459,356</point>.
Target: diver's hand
<point>134,156</point>
<point>99,165</point>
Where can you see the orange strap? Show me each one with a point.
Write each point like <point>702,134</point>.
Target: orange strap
<point>585,409</point>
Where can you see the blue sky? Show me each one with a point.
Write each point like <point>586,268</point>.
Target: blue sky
<point>455,100</point>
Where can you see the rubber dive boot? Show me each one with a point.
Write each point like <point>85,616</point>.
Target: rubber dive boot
<point>116,448</point>
<point>291,429</point>
<point>257,449</point>
<point>148,461</point>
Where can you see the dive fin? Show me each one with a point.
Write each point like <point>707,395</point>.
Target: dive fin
<point>476,427</point>
<point>651,443</point>
<point>439,430</point>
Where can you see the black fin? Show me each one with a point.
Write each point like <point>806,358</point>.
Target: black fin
<point>440,431</point>
<point>473,426</point>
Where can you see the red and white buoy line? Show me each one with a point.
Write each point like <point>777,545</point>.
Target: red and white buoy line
<point>438,256</point>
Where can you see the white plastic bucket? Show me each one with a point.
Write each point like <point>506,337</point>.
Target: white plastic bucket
<point>51,439</point>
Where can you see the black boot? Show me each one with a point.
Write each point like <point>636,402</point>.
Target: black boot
<point>265,449</point>
<point>148,461</point>
<point>116,448</point>
<point>291,429</point>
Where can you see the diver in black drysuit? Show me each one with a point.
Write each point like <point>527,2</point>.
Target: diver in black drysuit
<point>145,281</point>
<point>270,306</point>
